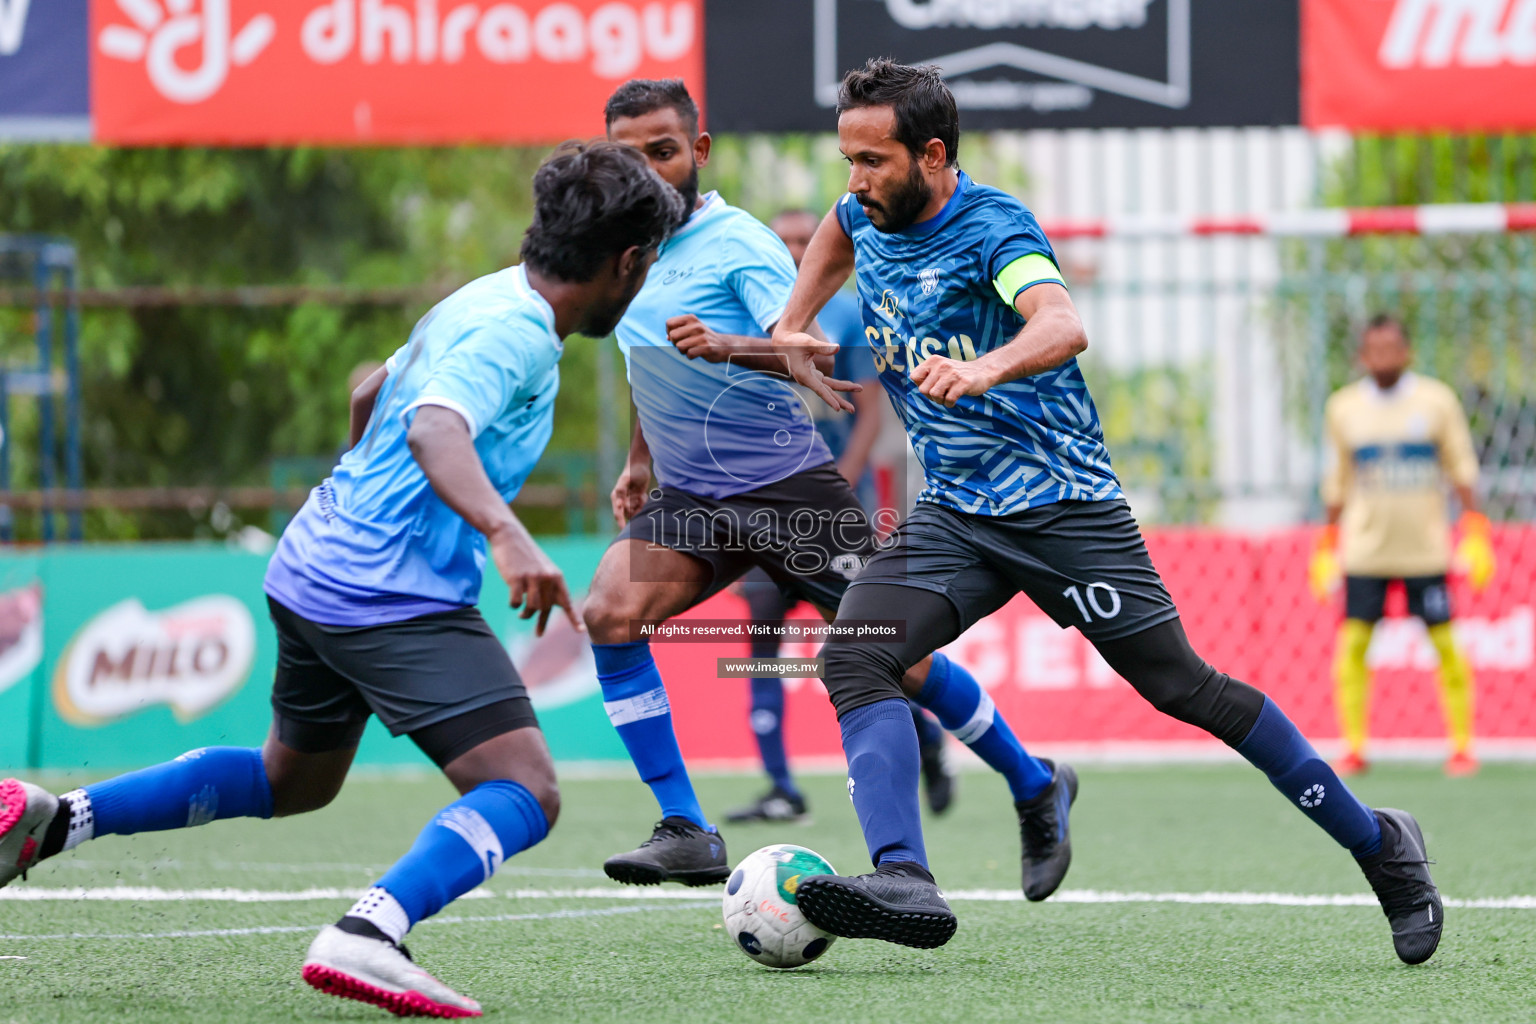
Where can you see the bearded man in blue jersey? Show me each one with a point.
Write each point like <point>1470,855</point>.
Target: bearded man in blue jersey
<point>743,480</point>
<point>977,339</point>
<point>850,439</point>
<point>373,586</point>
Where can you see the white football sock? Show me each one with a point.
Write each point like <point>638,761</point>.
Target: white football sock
<point>384,912</point>
<point>82,819</point>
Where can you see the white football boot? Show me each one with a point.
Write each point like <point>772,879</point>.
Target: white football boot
<point>25,812</point>
<point>379,972</point>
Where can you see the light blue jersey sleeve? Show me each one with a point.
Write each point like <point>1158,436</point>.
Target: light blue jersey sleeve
<point>481,374</point>
<point>758,269</point>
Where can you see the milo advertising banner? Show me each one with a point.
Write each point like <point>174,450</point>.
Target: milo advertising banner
<point>119,657</point>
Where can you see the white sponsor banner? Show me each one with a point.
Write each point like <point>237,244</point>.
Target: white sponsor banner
<point>192,657</point>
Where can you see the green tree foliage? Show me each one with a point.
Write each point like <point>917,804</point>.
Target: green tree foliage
<point>218,395</point>
<point>195,394</point>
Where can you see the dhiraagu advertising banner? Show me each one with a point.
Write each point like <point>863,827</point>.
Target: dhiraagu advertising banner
<point>115,657</point>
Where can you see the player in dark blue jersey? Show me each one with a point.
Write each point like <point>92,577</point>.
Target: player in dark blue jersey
<point>850,437</point>
<point>976,338</point>
<point>743,479</point>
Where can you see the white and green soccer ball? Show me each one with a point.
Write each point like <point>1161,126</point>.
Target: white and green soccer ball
<point>761,914</point>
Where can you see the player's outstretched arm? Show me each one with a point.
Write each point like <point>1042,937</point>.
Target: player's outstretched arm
<point>1052,334</point>
<point>628,494</point>
<point>697,340</point>
<point>824,269</point>
<point>441,442</point>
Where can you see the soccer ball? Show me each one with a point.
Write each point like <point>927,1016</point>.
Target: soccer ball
<point>760,912</point>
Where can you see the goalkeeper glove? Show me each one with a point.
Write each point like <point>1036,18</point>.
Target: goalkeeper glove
<point>1323,572</point>
<point>1474,555</point>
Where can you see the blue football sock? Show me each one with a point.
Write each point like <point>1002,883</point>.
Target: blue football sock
<point>458,850</point>
<point>636,702</point>
<point>198,787</point>
<point>883,763</point>
<point>768,727</point>
<point>1280,751</point>
<point>929,732</point>
<point>966,710</point>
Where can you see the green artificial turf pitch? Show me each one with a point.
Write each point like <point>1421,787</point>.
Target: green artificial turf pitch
<point>544,956</point>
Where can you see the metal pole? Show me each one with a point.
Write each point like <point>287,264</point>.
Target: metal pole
<point>45,397</point>
<point>73,469</point>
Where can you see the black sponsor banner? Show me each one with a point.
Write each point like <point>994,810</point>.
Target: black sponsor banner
<point>773,65</point>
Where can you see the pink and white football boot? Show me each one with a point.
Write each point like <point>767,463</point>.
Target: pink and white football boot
<point>25,811</point>
<point>379,972</point>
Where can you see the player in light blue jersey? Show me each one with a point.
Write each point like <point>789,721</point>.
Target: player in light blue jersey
<point>373,587</point>
<point>743,480</point>
<point>977,338</point>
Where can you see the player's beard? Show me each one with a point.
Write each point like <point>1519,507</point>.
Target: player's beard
<point>901,209</point>
<point>690,193</point>
<point>602,320</point>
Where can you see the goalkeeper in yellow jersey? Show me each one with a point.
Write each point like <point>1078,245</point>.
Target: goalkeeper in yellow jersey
<point>1395,439</point>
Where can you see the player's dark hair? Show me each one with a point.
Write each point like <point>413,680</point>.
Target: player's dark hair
<point>924,107</point>
<point>1385,320</point>
<point>640,96</point>
<point>592,201</point>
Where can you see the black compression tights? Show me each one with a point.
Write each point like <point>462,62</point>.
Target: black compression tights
<point>1158,662</point>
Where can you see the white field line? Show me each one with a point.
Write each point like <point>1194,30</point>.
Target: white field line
<point>1234,899</point>
<point>289,929</point>
<point>86,864</point>
<point>152,894</point>
<point>149,894</point>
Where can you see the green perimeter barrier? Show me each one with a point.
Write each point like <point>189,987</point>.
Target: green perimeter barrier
<point>116,657</point>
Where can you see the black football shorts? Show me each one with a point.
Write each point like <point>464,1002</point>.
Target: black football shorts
<point>444,679</point>
<point>1429,598</point>
<point>1084,563</point>
<point>808,532</point>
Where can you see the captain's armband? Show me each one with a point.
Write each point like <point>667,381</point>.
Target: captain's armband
<point>1025,272</point>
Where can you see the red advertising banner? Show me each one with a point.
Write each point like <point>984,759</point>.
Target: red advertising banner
<point>1248,610</point>
<point>1456,65</point>
<point>377,71</point>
